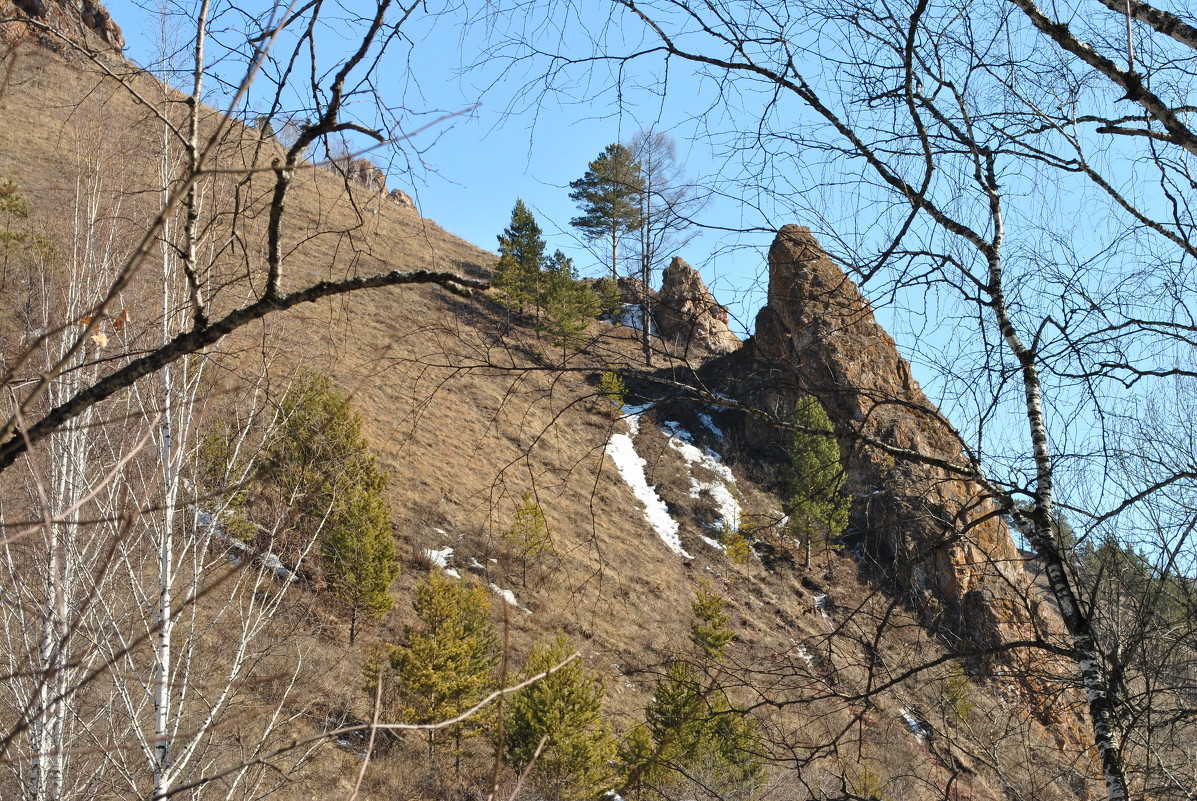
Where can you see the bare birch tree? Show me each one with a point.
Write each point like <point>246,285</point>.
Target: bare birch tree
<point>136,626</point>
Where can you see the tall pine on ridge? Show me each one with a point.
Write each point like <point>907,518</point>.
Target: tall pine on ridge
<point>609,197</point>
<point>521,260</point>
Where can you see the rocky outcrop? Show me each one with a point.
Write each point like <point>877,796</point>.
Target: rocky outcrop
<point>84,22</point>
<point>402,199</point>
<point>365,173</point>
<point>934,532</point>
<point>688,316</point>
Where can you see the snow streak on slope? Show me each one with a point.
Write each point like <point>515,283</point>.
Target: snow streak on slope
<point>622,452</point>
<point>720,491</point>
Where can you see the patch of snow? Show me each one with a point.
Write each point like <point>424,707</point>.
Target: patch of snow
<point>506,595</point>
<point>449,571</point>
<point>725,502</point>
<point>268,558</point>
<point>622,452</point>
<point>713,543</point>
<point>509,597</point>
<point>440,531</point>
<point>631,416</point>
<point>805,655</point>
<point>674,429</point>
<point>916,725</point>
<point>439,558</point>
<point>710,425</point>
<point>272,562</point>
<point>475,564</point>
<point>632,315</point>
<point>821,605</point>
<point>682,442</point>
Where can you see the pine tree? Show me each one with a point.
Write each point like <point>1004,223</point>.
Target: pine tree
<point>608,196</point>
<point>444,666</point>
<point>694,733</point>
<point>569,304</point>
<point>521,260</point>
<point>322,466</point>
<point>710,630</point>
<point>566,708</point>
<point>358,547</point>
<point>691,729</point>
<point>815,477</point>
<point>529,534</point>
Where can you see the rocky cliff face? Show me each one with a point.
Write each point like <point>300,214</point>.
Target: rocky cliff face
<point>85,22</point>
<point>936,534</point>
<point>364,172</point>
<point>688,316</point>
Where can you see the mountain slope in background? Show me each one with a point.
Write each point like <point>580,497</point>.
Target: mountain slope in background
<point>469,408</point>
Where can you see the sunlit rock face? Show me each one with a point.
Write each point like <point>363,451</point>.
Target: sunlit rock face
<point>84,22</point>
<point>933,533</point>
<point>689,317</point>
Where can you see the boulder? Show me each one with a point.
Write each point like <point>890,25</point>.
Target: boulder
<point>402,199</point>
<point>688,315</point>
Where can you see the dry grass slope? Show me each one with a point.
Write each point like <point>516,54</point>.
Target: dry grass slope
<point>468,410</point>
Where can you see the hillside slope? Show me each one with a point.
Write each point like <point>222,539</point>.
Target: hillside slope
<point>469,409</point>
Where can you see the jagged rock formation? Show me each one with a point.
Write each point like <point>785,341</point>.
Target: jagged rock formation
<point>85,22</point>
<point>402,199</point>
<point>688,316</point>
<point>364,172</point>
<point>935,533</point>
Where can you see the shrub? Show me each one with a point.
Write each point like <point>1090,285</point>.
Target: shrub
<point>613,388</point>
<point>735,544</point>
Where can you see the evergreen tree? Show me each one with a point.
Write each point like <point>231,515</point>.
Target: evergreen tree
<point>321,465</point>
<point>691,729</point>
<point>694,732</point>
<point>710,630</point>
<point>609,196</point>
<point>815,478</point>
<point>529,534</point>
<point>566,708</point>
<point>444,666</point>
<point>568,303</point>
<point>358,547</point>
<point>521,260</point>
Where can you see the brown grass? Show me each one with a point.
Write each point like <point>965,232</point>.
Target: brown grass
<point>467,411</point>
